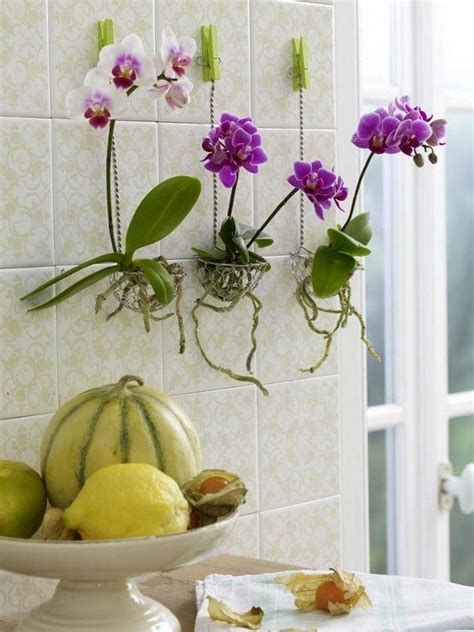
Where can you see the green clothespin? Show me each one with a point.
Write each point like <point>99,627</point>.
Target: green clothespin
<point>300,63</point>
<point>211,70</point>
<point>105,32</point>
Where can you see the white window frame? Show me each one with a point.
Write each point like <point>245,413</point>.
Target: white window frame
<point>416,315</point>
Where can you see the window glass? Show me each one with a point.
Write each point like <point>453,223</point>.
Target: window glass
<point>460,249</point>
<point>374,23</point>
<point>461,452</point>
<point>377,502</point>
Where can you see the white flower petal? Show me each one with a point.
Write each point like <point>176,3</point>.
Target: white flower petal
<point>147,74</point>
<point>108,55</point>
<point>133,42</point>
<point>158,90</point>
<point>189,46</point>
<point>97,77</point>
<point>169,42</point>
<point>118,101</point>
<point>75,102</point>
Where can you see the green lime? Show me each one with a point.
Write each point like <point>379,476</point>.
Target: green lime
<point>22,500</point>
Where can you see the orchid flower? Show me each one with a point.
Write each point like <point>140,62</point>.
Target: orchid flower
<point>97,101</point>
<point>176,93</point>
<point>175,55</point>
<point>320,185</point>
<point>128,63</point>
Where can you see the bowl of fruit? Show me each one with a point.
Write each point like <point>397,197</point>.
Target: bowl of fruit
<point>121,494</point>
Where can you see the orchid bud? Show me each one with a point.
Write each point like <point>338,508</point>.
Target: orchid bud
<point>418,160</point>
<point>433,158</point>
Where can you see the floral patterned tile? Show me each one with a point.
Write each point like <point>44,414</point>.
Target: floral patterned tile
<point>79,154</point>
<point>73,45</point>
<point>226,422</point>
<point>20,438</point>
<point>231,18</point>
<point>19,594</point>
<point>244,540</point>
<point>180,153</point>
<point>300,465</point>
<point>286,344</point>
<point>304,535</point>
<point>26,212</point>
<point>275,103</point>
<point>28,344</point>
<point>271,186</point>
<point>24,86</point>
<point>93,351</point>
<point>225,337</point>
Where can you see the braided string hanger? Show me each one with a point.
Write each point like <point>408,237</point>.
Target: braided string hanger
<point>215,201</point>
<point>301,141</point>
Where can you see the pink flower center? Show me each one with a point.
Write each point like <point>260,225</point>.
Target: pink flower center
<point>244,152</point>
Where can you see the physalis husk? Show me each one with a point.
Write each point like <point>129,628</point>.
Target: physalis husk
<point>336,592</point>
<point>220,611</point>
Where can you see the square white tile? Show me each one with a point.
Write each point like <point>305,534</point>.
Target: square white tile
<point>73,45</point>
<point>226,422</point>
<point>20,438</point>
<point>24,82</point>
<point>225,338</point>
<point>26,212</point>
<point>180,153</point>
<point>304,535</point>
<point>286,345</point>
<point>274,102</point>
<point>186,17</point>
<point>271,186</point>
<point>244,539</point>
<point>298,442</point>
<point>28,343</point>
<point>93,351</point>
<point>80,212</point>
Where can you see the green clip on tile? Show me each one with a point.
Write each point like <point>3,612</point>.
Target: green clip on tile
<point>211,70</point>
<point>105,33</point>
<point>300,63</point>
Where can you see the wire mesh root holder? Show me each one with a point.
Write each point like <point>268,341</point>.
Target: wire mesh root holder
<point>301,265</point>
<point>132,291</point>
<point>228,284</point>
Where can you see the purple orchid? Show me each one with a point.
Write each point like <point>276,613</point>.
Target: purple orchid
<point>128,63</point>
<point>175,55</point>
<point>376,132</point>
<point>233,144</point>
<point>411,132</point>
<point>320,185</point>
<point>97,101</point>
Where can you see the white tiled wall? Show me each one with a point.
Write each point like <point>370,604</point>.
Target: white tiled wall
<point>52,215</point>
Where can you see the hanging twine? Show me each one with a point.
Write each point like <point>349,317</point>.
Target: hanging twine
<point>212,119</point>
<point>301,126</point>
<point>118,227</point>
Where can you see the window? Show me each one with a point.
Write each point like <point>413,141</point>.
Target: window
<point>419,293</point>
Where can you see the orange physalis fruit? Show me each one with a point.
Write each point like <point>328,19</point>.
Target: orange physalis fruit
<point>213,485</point>
<point>328,592</point>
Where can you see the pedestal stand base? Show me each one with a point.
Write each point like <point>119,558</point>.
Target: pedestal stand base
<point>108,606</point>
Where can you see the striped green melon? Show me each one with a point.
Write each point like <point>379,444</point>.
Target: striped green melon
<point>116,423</point>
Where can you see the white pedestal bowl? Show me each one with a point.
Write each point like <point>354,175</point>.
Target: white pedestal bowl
<point>96,591</point>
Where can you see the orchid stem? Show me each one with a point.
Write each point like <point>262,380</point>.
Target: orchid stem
<point>232,196</point>
<point>271,216</point>
<point>358,185</point>
<point>108,178</point>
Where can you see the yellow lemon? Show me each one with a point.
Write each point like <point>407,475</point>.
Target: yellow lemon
<point>22,500</point>
<point>128,500</point>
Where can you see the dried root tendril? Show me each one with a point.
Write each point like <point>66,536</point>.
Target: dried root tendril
<point>311,310</point>
<point>133,292</point>
<point>257,306</point>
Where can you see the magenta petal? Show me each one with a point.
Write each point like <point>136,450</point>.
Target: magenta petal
<point>389,124</point>
<point>240,137</point>
<point>319,210</point>
<point>250,167</point>
<point>259,156</point>
<point>302,169</point>
<point>228,176</point>
<point>328,177</point>
<point>421,130</point>
<point>294,182</point>
<point>368,125</point>
<point>358,142</point>
<point>213,167</point>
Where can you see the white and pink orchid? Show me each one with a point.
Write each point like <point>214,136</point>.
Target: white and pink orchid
<point>176,55</point>
<point>128,63</point>
<point>175,93</point>
<point>97,101</point>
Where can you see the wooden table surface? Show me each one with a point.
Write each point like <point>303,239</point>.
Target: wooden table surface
<point>175,590</point>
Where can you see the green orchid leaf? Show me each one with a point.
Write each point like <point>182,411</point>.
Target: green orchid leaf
<point>233,240</point>
<point>161,211</point>
<point>346,244</point>
<point>263,240</point>
<point>256,258</point>
<point>84,283</point>
<point>159,278</point>
<point>360,228</point>
<point>214,254</point>
<point>331,271</point>
<point>111,257</point>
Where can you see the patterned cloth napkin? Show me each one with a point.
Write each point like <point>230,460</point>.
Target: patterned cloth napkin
<point>399,603</point>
